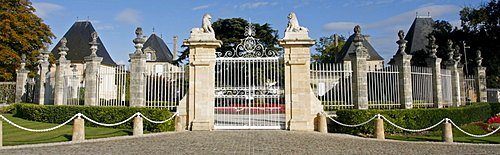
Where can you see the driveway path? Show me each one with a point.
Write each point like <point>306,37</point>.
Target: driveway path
<point>249,142</point>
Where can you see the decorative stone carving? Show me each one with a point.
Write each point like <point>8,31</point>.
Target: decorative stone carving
<point>479,59</point>
<point>358,41</point>
<point>293,24</point>
<point>402,42</point>
<point>139,40</point>
<point>432,47</point>
<point>457,55</point>
<point>206,26</point>
<point>94,44</point>
<point>63,49</point>
<point>450,50</point>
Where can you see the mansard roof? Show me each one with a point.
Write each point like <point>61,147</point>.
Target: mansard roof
<point>349,48</point>
<point>161,50</point>
<point>79,36</point>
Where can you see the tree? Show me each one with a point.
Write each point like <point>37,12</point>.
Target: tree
<point>482,26</point>
<point>327,49</point>
<point>21,32</point>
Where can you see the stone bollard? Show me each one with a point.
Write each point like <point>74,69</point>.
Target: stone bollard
<point>379,129</point>
<point>78,130</point>
<point>447,135</point>
<point>322,125</point>
<point>178,123</point>
<point>138,128</point>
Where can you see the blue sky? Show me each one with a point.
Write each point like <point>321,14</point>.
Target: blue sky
<point>116,21</point>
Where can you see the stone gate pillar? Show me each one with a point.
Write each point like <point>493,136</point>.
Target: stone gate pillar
<point>452,65</point>
<point>403,61</point>
<point>300,103</point>
<point>359,74</point>
<point>43,69</point>
<point>62,66</point>
<point>22,76</point>
<point>435,63</point>
<point>480,79</point>
<point>137,68</point>
<point>92,64</point>
<point>198,111</point>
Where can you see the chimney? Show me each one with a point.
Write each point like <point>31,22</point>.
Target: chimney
<point>175,49</point>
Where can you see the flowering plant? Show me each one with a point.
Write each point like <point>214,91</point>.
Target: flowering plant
<point>494,119</point>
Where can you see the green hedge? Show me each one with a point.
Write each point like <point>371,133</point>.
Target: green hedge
<point>495,108</point>
<point>410,118</point>
<point>60,114</point>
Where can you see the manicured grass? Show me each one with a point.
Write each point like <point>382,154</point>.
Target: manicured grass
<point>15,136</point>
<point>487,140</point>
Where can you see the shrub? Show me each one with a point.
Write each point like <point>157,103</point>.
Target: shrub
<point>60,114</point>
<point>411,118</point>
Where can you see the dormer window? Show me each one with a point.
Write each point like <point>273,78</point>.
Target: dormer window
<point>150,53</point>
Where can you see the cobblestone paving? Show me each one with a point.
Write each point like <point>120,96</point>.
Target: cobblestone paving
<point>249,142</point>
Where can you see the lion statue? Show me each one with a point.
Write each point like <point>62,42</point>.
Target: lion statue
<point>293,24</point>
<point>206,26</point>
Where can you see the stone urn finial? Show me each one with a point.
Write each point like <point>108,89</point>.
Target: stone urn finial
<point>432,46</point>
<point>63,49</point>
<point>479,59</point>
<point>94,44</point>
<point>401,42</point>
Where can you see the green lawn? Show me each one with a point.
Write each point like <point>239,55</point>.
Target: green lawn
<point>15,136</point>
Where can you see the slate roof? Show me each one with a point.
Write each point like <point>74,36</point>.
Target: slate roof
<point>349,48</point>
<point>78,37</point>
<point>161,50</point>
<point>417,34</point>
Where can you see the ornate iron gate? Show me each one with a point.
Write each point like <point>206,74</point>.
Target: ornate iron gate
<point>248,91</point>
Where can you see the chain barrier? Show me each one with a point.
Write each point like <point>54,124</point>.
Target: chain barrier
<point>472,135</point>
<point>324,113</point>
<point>39,130</point>
<point>412,130</point>
<point>115,124</point>
<point>159,122</point>
<point>138,114</point>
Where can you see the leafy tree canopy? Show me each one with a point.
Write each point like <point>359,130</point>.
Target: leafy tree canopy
<point>327,49</point>
<point>21,32</point>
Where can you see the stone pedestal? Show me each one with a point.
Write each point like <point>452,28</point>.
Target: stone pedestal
<point>455,84</point>
<point>137,79</point>
<point>199,106</point>
<point>480,80</point>
<point>62,65</point>
<point>300,103</point>
<point>437,94</point>
<point>92,64</point>
<point>22,76</point>
<point>403,61</point>
<point>41,83</point>
<point>359,79</point>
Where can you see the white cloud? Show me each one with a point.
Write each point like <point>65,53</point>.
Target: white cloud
<point>202,7</point>
<point>435,10</point>
<point>105,27</point>
<point>129,16</point>
<point>43,10</point>
<point>254,5</point>
<point>339,26</point>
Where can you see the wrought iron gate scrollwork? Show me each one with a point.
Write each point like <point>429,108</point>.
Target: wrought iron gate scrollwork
<point>248,94</point>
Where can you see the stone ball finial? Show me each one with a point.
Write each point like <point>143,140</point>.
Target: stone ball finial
<point>357,29</point>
